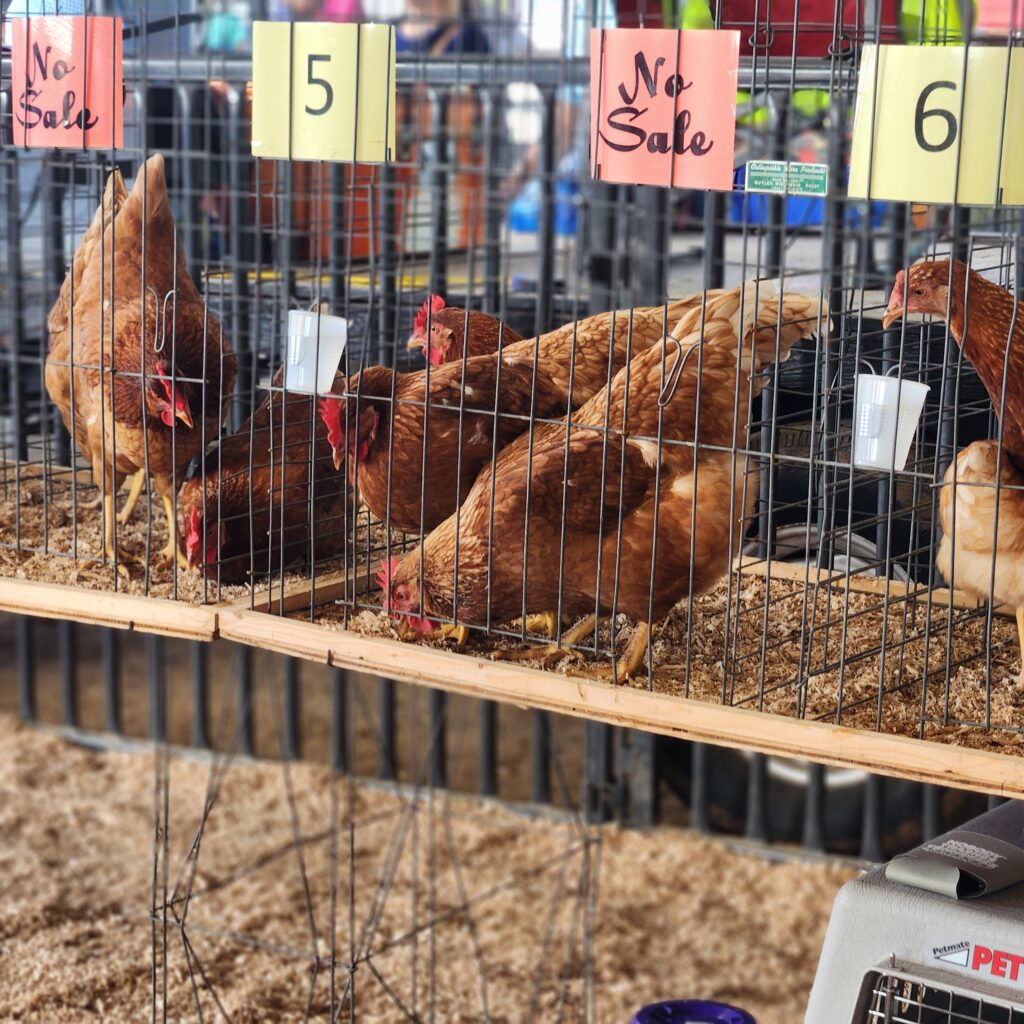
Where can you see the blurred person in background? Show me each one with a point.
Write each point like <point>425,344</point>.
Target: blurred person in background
<point>438,28</point>
<point>315,10</point>
<point>446,28</point>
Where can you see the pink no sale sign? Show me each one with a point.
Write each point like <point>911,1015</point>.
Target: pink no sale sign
<point>66,82</point>
<point>663,106</point>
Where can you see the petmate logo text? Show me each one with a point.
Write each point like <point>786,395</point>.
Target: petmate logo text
<point>957,953</point>
<point>992,963</point>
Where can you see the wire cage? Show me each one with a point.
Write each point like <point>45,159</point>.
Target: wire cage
<point>559,397</point>
<point>724,538</point>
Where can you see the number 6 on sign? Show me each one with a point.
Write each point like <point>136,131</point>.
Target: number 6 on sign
<point>927,114</point>
<point>323,92</point>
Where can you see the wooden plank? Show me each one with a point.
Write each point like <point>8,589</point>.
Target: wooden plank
<point>329,586</point>
<point>107,608</point>
<point>903,757</point>
<point>861,584</point>
<point>35,470</point>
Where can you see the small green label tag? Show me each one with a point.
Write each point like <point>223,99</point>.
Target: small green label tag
<point>781,177</point>
<point>766,176</point>
<point>807,179</point>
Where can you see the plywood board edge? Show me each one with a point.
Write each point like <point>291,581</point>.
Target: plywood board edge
<point>107,608</point>
<point>903,757</point>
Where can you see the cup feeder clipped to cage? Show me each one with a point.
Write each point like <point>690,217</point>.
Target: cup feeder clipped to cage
<point>316,343</point>
<point>887,411</point>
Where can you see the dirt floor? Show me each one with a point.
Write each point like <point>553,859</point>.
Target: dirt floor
<point>666,914</point>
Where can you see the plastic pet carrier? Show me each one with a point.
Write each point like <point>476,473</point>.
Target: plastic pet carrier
<point>934,937</point>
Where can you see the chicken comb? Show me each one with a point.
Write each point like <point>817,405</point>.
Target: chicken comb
<point>384,574</point>
<point>432,304</point>
<point>330,413</point>
<point>195,522</point>
<point>386,571</point>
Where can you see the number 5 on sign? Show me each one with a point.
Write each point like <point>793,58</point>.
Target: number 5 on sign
<point>323,92</point>
<point>909,133</point>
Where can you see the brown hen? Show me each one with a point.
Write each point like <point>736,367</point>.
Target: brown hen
<point>260,496</point>
<point>989,327</point>
<point>136,366</point>
<point>384,438</point>
<point>453,331</point>
<point>986,323</point>
<point>568,491</point>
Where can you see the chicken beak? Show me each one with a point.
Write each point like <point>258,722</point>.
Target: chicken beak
<point>414,343</point>
<point>184,415</point>
<point>403,627</point>
<point>893,313</point>
<point>339,457</point>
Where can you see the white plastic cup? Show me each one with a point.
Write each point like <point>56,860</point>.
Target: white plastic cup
<point>313,357</point>
<point>886,413</point>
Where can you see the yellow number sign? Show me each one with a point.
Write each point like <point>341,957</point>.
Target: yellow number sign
<point>925,120</point>
<point>323,92</point>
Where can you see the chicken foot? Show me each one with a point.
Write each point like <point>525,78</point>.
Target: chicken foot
<point>631,661</point>
<point>138,482</point>
<point>449,631</point>
<point>112,552</point>
<point>172,553</point>
<point>552,652</point>
<point>1020,637</point>
<point>545,622</point>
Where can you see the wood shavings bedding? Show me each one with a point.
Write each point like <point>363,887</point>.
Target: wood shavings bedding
<point>42,538</point>
<point>726,633</point>
<point>677,915</point>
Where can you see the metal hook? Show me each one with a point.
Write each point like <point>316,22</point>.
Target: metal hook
<point>156,323</point>
<point>677,371</point>
<point>860,362</point>
<point>159,347</point>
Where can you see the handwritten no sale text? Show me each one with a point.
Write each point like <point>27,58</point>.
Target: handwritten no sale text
<point>663,106</point>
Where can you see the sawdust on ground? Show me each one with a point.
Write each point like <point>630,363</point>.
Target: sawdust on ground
<point>675,915</point>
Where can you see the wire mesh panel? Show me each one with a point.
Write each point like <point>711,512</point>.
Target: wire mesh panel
<point>903,1001</point>
<point>622,431</point>
<point>625,432</point>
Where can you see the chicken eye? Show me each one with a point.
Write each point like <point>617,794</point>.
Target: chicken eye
<point>919,291</point>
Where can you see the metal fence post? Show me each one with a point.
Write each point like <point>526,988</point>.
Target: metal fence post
<point>243,671</point>
<point>111,654</point>
<point>341,747</point>
<point>597,761</point>
<point>200,695</point>
<point>757,799</point>
<point>290,693</point>
<point>488,763</point>
<point>68,690</point>
<point>25,655</point>
<point>437,714</point>
<point>157,687</point>
<point>387,764</point>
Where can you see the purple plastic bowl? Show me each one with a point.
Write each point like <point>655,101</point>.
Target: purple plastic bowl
<point>691,1011</point>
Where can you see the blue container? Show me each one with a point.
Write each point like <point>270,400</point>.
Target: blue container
<point>524,210</point>
<point>691,1011</point>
